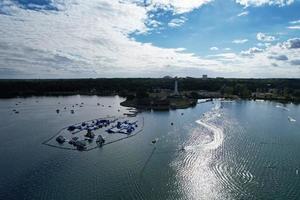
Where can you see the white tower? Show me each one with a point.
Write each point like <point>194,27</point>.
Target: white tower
<point>176,87</point>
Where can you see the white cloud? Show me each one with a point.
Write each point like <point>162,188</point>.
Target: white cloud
<point>153,23</point>
<point>224,57</point>
<point>183,6</point>
<point>227,49</point>
<point>86,38</point>
<point>214,48</point>
<point>277,60</point>
<point>295,22</point>
<point>93,39</point>
<point>264,2</point>
<point>178,6</point>
<point>240,41</point>
<point>275,55</point>
<point>264,37</point>
<point>245,13</point>
<point>294,27</point>
<point>177,22</point>
<point>252,51</point>
<point>293,43</point>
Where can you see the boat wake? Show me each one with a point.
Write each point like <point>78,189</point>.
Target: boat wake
<point>194,172</point>
<point>217,133</point>
<point>282,107</point>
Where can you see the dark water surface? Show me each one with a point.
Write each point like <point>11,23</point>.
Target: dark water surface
<point>219,150</point>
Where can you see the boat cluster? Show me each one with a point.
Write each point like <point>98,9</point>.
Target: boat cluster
<point>124,127</point>
<point>94,125</point>
<point>81,144</point>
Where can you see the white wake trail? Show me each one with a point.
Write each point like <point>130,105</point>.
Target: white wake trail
<point>282,107</point>
<point>218,135</point>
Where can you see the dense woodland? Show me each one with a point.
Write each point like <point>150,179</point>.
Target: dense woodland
<point>244,88</point>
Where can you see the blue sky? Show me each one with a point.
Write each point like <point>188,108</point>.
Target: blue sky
<point>218,24</point>
<point>131,38</point>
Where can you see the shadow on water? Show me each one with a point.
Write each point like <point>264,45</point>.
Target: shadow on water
<point>154,151</point>
<point>147,161</point>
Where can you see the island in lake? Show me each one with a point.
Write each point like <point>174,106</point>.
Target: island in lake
<point>160,100</point>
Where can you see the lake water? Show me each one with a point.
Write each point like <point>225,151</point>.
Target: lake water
<point>219,150</point>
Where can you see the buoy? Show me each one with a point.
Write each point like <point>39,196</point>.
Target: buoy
<point>154,141</point>
<point>172,123</point>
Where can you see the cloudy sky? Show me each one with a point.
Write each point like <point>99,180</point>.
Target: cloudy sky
<point>149,38</point>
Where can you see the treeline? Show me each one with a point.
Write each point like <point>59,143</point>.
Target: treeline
<point>124,86</point>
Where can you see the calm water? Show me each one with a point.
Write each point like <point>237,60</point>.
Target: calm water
<point>232,150</point>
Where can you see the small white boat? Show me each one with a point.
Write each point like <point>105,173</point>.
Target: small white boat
<point>291,119</point>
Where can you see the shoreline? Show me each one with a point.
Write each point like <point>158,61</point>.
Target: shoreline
<point>279,89</point>
<point>128,103</point>
<point>156,104</point>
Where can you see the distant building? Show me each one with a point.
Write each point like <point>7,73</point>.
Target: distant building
<point>204,76</point>
<point>167,77</point>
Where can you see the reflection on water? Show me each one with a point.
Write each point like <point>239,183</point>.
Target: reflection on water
<point>223,158</point>
<point>196,178</point>
<point>217,150</point>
